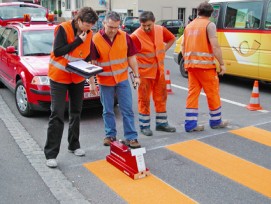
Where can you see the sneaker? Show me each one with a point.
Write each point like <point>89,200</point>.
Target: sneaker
<point>146,131</point>
<point>133,143</point>
<point>108,140</point>
<point>166,128</point>
<point>197,128</point>
<point>52,163</point>
<point>223,124</point>
<point>78,152</point>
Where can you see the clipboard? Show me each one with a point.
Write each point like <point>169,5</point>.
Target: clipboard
<point>83,68</point>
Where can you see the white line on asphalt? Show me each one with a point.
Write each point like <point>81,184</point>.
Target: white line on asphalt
<point>222,99</point>
<point>168,57</point>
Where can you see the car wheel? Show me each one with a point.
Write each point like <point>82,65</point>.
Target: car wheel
<point>182,70</point>
<point>22,100</point>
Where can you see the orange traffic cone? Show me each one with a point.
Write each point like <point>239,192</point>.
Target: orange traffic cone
<point>168,82</point>
<point>254,103</point>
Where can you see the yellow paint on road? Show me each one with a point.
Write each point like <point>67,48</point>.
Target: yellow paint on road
<point>146,190</point>
<point>255,134</point>
<point>244,172</point>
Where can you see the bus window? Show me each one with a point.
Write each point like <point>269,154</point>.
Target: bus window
<point>268,18</point>
<point>243,15</point>
<point>215,14</point>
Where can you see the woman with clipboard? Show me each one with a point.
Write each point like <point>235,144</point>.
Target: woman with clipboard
<point>73,41</point>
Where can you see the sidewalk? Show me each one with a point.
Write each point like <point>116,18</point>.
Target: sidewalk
<point>19,182</point>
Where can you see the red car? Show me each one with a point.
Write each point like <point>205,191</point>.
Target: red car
<point>24,58</point>
<point>14,11</point>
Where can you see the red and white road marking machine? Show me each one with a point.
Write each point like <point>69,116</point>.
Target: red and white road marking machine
<point>129,161</point>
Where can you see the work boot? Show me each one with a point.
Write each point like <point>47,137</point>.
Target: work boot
<point>197,128</point>
<point>166,128</point>
<point>223,124</point>
<point>146,131</point>
<point>133,143</point>
<point>108,140</point>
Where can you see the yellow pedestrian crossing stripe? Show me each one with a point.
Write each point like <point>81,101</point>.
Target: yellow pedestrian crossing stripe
<point>148,190</point>
<point>255,134</point>
<point>249,174</point>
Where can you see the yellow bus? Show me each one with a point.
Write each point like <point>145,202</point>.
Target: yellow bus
<point>244,34</point>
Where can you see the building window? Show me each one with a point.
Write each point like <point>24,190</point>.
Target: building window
<point>181,14</point>
<point>68,4</point>
<point>194,13</point>
<point>79,4</point>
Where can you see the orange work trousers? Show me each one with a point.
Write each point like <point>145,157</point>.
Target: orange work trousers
<point>209,81</point>
<point>156,87</point>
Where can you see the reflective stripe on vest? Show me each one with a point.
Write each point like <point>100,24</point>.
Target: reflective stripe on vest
<point>113,59</point>
<point>113,73</point>
<point>195,37</point>
<point>57,65</point>
<point>152,54</point>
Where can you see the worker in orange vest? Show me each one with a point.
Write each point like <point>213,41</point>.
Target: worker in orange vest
<point>73,40</point>
<point>200,49</point>
<point>152,41</point>
<point>116,53</point>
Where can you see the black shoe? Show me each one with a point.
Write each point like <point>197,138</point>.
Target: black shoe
<point>108,140</point>
<point>146,131</point>
<point>167,128</point>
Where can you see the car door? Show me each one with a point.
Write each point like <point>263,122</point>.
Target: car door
<point>3,56</point>
<point>12,58</point>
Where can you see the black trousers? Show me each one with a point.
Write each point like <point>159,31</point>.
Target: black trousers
<point>56,119</point>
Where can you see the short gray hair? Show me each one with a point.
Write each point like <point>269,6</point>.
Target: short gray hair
<point>114,16</point>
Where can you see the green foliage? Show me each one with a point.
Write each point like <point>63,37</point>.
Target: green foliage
<point>180,31</point>
<point>59,12</point>
<point>55,11</point>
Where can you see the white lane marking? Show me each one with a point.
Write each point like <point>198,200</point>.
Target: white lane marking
<point>168,57</point>
<point>222,99</point>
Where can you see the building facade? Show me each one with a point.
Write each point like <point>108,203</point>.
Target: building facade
<point>170,9</point>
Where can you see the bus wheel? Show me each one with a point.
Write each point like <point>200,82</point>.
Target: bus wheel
<point>182,70</point>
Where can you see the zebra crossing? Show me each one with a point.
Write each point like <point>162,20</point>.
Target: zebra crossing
<point>234,167</point>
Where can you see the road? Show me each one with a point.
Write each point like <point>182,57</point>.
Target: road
<point>231,165</point>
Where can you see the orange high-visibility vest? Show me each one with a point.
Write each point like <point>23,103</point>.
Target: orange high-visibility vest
<point>113,59</point>
<point>57,71</point>
<point>152,54</point>
<point>198,50</point>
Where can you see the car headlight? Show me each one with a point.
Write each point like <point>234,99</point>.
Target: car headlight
<point>40,80</point>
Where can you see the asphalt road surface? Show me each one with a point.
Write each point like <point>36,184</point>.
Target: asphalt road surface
<point>231,165</point>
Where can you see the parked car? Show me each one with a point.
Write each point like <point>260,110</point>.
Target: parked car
<point>172,25</point>
<point>25,52</point>
<point>130,24</point>
<point>15,11</point>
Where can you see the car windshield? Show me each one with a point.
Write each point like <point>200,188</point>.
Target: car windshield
<point>18,11</point>
<point>37,43</point>
<point>159,22</point>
